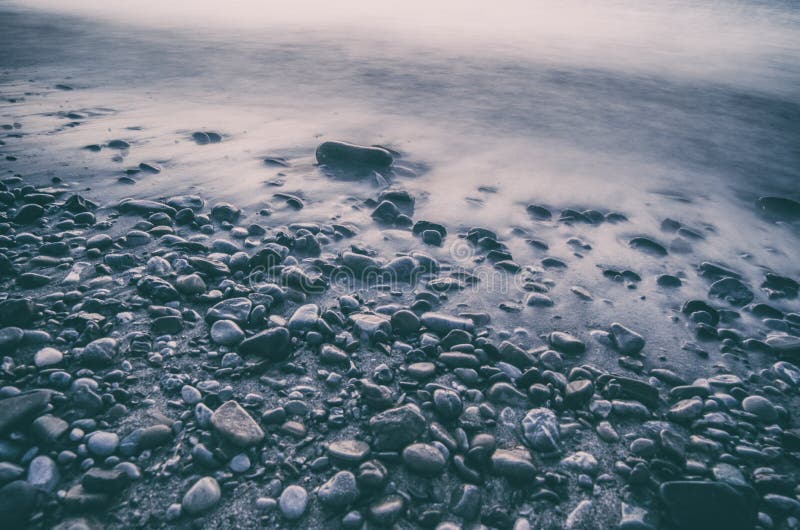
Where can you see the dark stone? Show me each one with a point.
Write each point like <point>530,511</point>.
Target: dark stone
<point>694,505</point>
<point>236,426</point>
<point>395,428</point>
<point>343,154</point>
<point>424,459</point>
<point>578,392</point>
<point>144,207</point>
<point>167,325</point>
<point>387,510</point>
<point>10,337</point>
<point>48,429</point>
<point>22,408</point>
<point>566,343</point>
<point>272,344</point>
<point>17,312</point>
<point>732,290</point>
<point>648,246</point>
<point>17,503</point>
<point>513,464</point>
<point>28,214</point>
<point>98,480</point>
<point>779,207</point>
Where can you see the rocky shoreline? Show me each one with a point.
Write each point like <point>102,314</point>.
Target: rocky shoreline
<point>170,362</point>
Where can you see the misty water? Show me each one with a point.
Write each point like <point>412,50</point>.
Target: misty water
<point>655,110</point>
<point>683,110</point>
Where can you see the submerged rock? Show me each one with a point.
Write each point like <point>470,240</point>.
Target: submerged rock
<point>732,290</point>
<point>343,154</point>
<point>648,246</point>
<point>779,207</point>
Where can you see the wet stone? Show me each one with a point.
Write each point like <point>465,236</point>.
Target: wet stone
<point>565,342</point>
<point>447,403</point>
<point>98,480</point>
<point>514,464</point>
<point>304,319</point>
<point>579,392</point>
<point>732,290</point>
<point>48,429</point>
<point>627,341</point>
<point>761,407</point>
<point>17,312</point>
<point>226,333</point>
<point>442,323</point>
<point>10,337</point>
<point>190,284</point>
<point>236,309</point>
<point>43,473</point>
<point>387,510</point>
<point>346,155</point>
<point>633,518</point>
<point>424,459</point>
<point>405,321</point>
<point>648,246</point>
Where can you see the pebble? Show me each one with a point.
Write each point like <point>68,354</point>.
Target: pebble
<point>627,341</point>
<point>272,344</point>
<point>540,430</point>
<point>236,426</point>
<point>397,427</point>
<point>515,464</point>
<point>43,473</point>
<point>696,505</point>
<point>100,352</point>
<point>339,491</point>
<point>339,154</point>
<point>761,407</point>
<point>203,496</point>
<point>293,502</point>
<point>349,451</point>
<point>424,459</point>
<point>47,357</point>
<point>226,333</point>
<point>565,343</point>
<point>102,443</point>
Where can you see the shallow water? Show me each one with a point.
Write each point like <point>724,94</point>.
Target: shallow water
<point>652,109</point>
